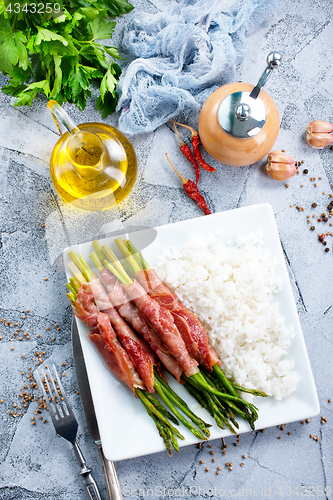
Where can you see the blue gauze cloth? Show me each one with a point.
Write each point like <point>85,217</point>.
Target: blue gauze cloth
<point>182,55</point>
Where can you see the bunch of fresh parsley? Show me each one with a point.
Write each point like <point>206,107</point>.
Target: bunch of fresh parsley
<point>52,48</point>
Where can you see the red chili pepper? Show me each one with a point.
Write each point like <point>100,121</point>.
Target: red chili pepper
<point>188,154</point>
<point>192,191</point>
<point>196,148</point>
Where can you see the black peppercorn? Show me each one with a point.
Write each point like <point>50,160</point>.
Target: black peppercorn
<point>327,249</point>
<point>312,228</point>
<point>305,171</point>
<point>314,205</point>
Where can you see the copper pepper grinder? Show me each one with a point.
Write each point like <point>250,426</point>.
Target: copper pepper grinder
<point>239,123</point>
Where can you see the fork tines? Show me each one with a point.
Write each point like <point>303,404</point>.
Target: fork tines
<point>64,420</point>
<point>54,394</point>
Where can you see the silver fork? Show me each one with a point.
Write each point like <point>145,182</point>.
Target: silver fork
<point>64,421</point>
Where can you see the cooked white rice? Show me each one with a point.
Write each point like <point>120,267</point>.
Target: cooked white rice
<point>230,289</point>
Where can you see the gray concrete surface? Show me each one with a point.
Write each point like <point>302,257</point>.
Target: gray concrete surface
<point>34,463</point>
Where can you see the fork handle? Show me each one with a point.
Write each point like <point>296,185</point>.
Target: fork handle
<point>111,478</point>
<point>90,486</point>
<point>88,481</point>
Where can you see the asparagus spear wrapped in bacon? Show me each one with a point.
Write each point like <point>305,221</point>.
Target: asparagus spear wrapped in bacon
<point>222,389</point>
<point>129,311</point>
<point>107,325</point>
<point>104,338</point>
<point>114,354</point>
<point>142,356</point>
<point>139,352</point>
<point>159,318</point>
<point>191,329</point>
<point>162,322</point>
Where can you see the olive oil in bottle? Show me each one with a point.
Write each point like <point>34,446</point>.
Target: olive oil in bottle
<point>93,166</point>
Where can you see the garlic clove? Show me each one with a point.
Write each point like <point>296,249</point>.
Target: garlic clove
<point>280,171</point>
<point>279,157</point>
<point>319,126</point>
<point>319,140</point>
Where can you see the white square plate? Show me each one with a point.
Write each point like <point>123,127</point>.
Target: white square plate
<point>125,428</point>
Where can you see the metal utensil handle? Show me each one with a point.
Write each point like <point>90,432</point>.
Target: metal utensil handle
<point>89,482</point>
<point>91,487</point>
<point>111,478</point>
<point>273,61</point>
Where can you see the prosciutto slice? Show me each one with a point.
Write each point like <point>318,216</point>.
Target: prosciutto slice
<point>114,354</point>
<point>162,322</point>
<point>190,328</point>
<point>90,299</point>
<point>86,309</point>
<point>138,350</point>
<point>104,338</point>
<point>129,311</point>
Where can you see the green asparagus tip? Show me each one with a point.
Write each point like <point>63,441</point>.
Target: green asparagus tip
<point>71,289</point>
<point>97,263</point>
<point>122,277</point>
<point>134,251</point>
<point>87,269</point>
<point>99,250</point>
<point>81,264</point>
<point>135,266</point>
<point>75,283</point>
<point>76,272</point>
<point>250,391</point>
<point>71,297</point>
<point>141,394</point>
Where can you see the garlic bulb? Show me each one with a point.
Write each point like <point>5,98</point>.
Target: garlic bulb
<point>318,134</point>
<point>280,166</point>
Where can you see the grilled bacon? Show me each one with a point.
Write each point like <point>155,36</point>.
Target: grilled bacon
<point>128,310</point>
<point>161,321</point>
<point>190,328</point>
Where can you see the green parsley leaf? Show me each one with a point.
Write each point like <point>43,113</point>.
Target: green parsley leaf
<point>78,81</point>
<point>118,7</point>
<point>45,35</point>
<point>112,51</point>
<point>5,28</point>
<point>58,54</point>
<point>58,76</point>
<point>107,106</point>
<point>13,52</point>
<point>61,17</point>
<point>29,93</point>
<point>101,28</point>
<point>13,90</point>
<point>89,13</point>
<point>94,53</point>
<point>109,82</point>
<point>93,72</point>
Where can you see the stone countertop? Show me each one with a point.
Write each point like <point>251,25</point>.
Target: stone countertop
<point>37,465</point>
